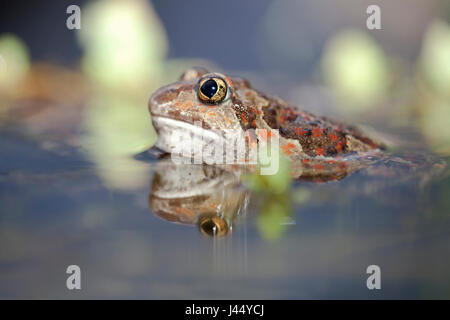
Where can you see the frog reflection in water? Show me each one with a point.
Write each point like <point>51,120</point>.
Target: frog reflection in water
<point>205,195</point>
<point>318,149</point>
<point>213,198</point>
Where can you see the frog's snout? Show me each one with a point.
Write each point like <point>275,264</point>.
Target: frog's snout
<point>165,97</point>
<point>160,98</point>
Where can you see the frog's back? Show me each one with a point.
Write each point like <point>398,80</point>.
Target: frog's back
<point>313,136</point>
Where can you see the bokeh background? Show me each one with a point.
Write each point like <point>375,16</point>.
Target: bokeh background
<point>73,114</point>
<point>316,54</point>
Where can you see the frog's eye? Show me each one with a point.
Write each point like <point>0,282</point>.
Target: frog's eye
<point>213,226</point>
<point>212,90</point>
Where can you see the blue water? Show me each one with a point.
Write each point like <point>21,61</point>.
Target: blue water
<point>56,211</point>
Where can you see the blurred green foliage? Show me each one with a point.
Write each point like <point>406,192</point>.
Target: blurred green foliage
<point>124,53</point>
<point>355,67</point>
<point>124,41</point>
<point>434,78</point>
<point>14,61</point>
<point>434,63</point>
<point>275,211</point>
<point>277,183</point>
<point>116,125</point>
<point>274,193</point>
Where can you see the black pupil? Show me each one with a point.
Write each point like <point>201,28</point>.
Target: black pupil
<point>210,228</point>
<point>209,88</point>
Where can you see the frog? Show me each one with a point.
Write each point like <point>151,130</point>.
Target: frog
<point>219,102</point>
<point>320,150</point>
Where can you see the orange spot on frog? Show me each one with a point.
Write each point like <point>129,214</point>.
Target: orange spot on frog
<point>317,132</point>
<point>287,148</point>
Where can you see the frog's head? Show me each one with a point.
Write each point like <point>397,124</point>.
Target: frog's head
<point>200,104</point>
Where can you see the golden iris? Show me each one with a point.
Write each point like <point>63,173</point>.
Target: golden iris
<point>212,90</point>
<point>213,226</point>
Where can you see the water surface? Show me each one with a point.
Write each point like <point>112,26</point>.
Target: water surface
<point>57,210</point>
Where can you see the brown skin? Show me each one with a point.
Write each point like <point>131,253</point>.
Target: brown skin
<point>302,135</point>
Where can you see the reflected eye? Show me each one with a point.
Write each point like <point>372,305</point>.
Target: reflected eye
<point>213,226</point>
<point>212,90</point>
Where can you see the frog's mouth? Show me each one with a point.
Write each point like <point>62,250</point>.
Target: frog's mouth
<point>176,135</point>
